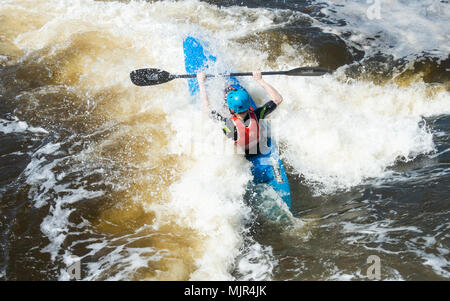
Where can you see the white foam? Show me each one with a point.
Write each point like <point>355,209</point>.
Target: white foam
<point>388,274</point>
<point>404,28</point>
<point>383,235</point>
<point>377,232</point>
<point>343,276</point>
<point>439,264</point>
<point>438,261</point>
<point>338,134</point>
<point>17,126</point>
<point>256,263</point>
<point>208,197</point>
<point>56,225</point>
<point>128,259</point>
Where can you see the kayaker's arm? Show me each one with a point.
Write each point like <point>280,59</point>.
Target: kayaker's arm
<point>201,77</point>
<point>273,93</point>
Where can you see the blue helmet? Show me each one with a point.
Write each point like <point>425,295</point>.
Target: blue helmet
<point>238,100</point>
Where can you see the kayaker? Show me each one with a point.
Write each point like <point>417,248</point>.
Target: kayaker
<point>246,124</point>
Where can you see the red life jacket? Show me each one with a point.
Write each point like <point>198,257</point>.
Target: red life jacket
<point>248,137</point>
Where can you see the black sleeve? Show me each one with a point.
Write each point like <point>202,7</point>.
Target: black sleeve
<point>265,110</point>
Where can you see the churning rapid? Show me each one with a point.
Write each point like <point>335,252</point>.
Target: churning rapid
<point>95,169</point>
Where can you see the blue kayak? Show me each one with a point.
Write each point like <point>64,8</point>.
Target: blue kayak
<point>266,168</point>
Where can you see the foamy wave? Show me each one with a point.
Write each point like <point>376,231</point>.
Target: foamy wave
<point>256,263</point>
<point>209,197</point>
<point>338,135</point>
<point>383,236</point>
<point>17,126</point>
<point>397,27</point>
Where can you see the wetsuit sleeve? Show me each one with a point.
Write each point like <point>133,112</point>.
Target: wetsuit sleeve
<point>265,110</point>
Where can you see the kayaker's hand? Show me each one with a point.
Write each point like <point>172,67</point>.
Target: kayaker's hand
<point>201,77</point>
<point>274,95</point>
<point>257,75</point>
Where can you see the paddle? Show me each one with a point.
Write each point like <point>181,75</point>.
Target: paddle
<point>151,76</point>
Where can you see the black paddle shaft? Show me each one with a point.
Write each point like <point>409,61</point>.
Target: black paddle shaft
<point>228,74</point>
<point>302,71</point>
<point>151,76</point>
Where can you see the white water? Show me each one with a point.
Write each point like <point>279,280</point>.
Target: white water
<point>335,134</point>
<point>405,28</point>
<point>17,126</point>
<point>340,134</point>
